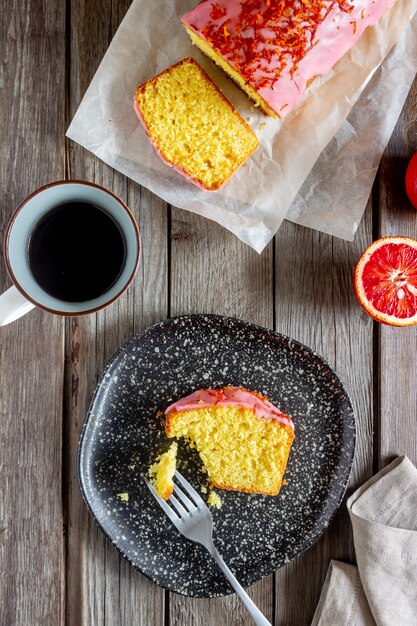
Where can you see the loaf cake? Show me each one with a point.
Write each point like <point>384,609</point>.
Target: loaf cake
<point>273,50</point>
<point>243,440</point>
<point>192,125</point>
<point>161,473</point>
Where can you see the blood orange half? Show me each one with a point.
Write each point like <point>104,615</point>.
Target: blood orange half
<point>386,281</point>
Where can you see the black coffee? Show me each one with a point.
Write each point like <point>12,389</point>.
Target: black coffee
<point>77,252</point>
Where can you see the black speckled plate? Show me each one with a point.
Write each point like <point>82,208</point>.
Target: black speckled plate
<point>121,436</point>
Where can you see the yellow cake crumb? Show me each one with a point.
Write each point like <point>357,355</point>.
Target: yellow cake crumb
<point>203,489</point>
<point>124,497</point>
<point>239,450</point>
<point>214,500</point>
<point>193,126</point>
<point>162,472</point>
<point>228,69</point>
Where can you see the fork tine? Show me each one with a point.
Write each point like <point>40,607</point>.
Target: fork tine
<point>175,519</point>
<point>190,490</point>
<point>177,504</point>
<point>188,503</point>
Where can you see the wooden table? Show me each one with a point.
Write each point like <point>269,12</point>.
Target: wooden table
<point>56,567</point>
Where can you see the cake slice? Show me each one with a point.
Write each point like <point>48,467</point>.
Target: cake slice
<point>192,125</point>
<point>273,50</point>
<point>161,473</point>
<point>243,440</point>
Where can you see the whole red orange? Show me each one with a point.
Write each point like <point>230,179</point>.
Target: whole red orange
<point>411,180</point>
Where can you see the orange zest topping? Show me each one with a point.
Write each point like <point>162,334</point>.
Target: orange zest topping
<point>261,42</point>
<point>217,11</point>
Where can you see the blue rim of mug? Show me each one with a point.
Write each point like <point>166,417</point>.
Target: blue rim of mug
<point>10,226</point>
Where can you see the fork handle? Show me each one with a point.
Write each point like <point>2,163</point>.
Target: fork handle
<point>255,613</point>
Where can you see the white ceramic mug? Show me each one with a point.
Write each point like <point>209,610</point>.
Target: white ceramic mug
<point>26,292</point>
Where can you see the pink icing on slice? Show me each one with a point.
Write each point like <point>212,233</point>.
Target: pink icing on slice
<point>334,35</point>
<point>230,396</point>
<point>176,168</point>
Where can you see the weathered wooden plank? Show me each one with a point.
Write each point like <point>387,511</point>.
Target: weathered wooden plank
<point>226,277</point>
<point>398,365</point>
<point>315,304</point>
<point>213,272</point>
<point>32,85</point>
<point>102,588</point>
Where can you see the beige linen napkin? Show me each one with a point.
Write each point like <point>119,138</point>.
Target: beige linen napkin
<point>382,590</point>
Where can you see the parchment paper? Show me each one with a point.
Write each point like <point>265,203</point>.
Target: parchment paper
<point>352,157</point>
<point>257,198</point>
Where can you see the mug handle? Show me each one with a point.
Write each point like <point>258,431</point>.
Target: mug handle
<point>13,305</point>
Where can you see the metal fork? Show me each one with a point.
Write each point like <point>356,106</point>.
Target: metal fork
<point>192,518</point>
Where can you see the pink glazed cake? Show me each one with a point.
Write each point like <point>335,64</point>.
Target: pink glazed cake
<point>274,50</point>
<point>192,126</point>
<point>243,439</point>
